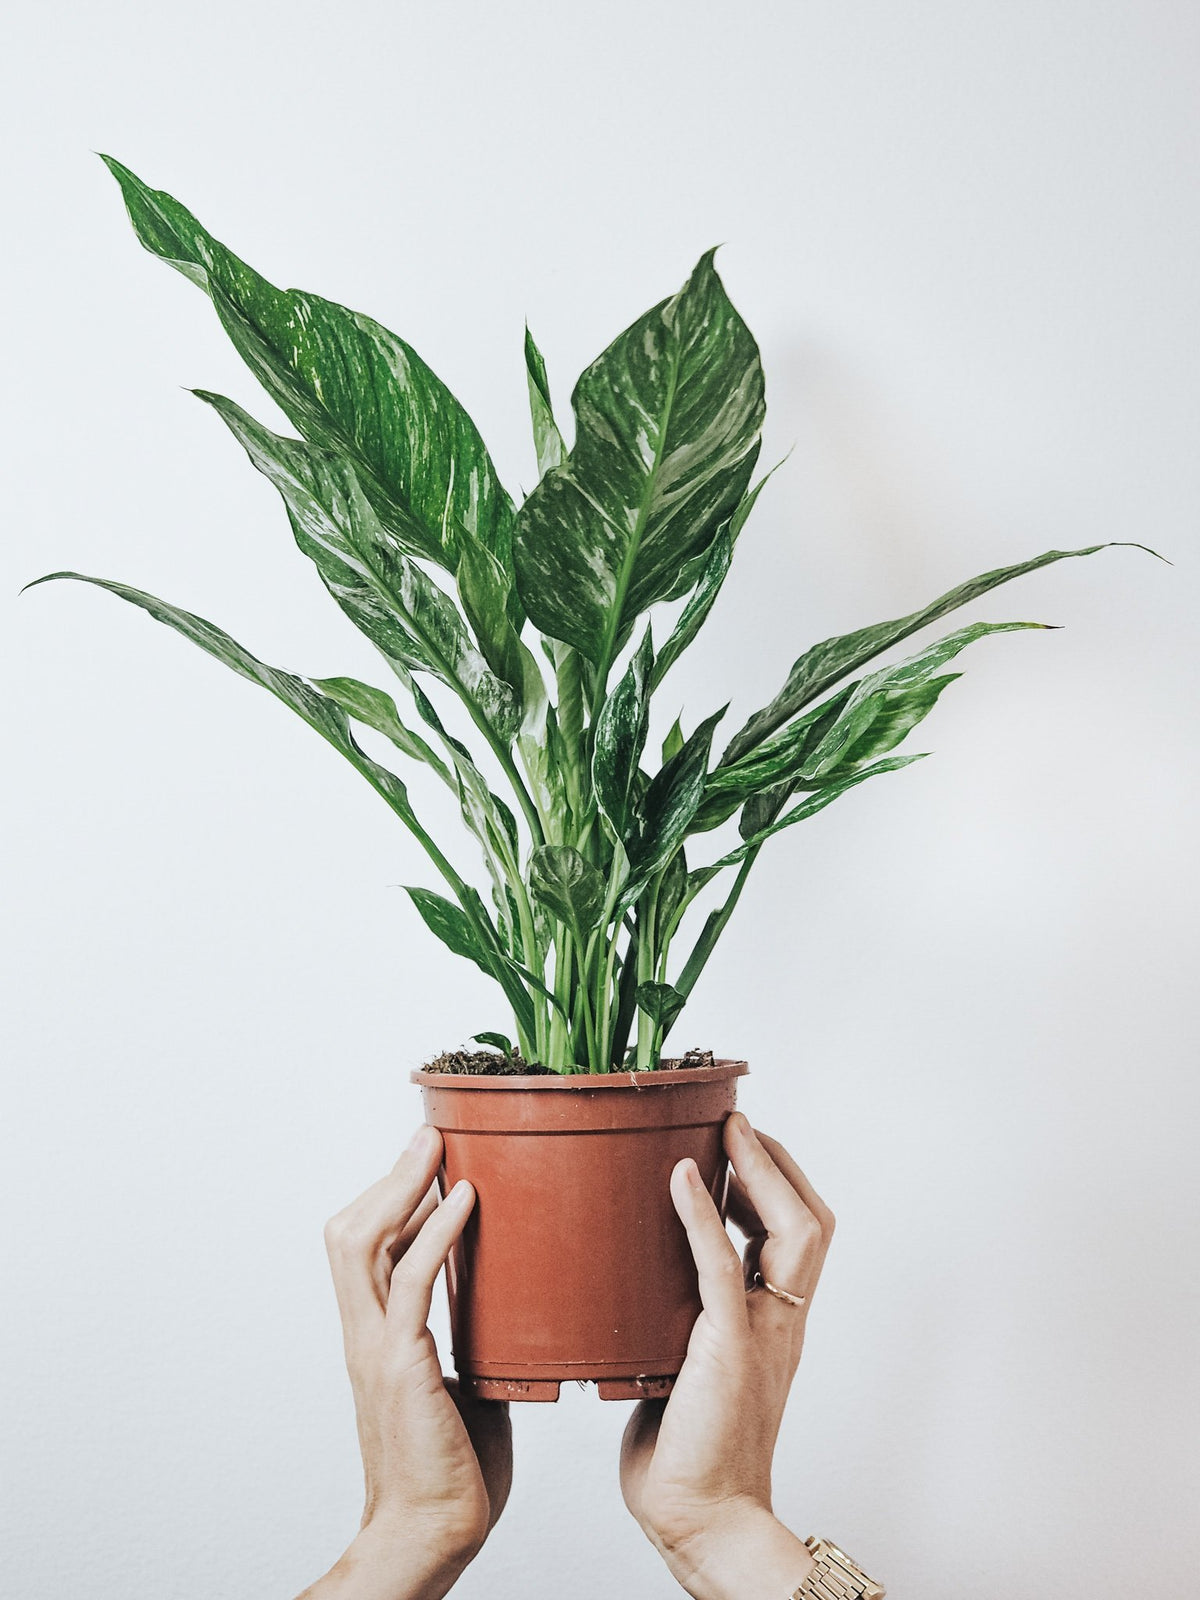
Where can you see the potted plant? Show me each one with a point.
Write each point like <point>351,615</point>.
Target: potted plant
<point>522,642</point>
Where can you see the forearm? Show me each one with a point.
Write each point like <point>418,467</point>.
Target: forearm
<point>382,1565</point>
<point>749,1555</point>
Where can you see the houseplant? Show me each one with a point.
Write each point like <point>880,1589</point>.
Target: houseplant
<point>531,624</point>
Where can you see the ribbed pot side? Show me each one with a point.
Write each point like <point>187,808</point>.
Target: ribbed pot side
<point>574,1263</point>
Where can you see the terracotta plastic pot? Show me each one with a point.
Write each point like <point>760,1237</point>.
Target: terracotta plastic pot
<point>574,1263</point>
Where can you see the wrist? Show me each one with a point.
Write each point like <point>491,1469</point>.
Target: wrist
<point>392,1562</point>
<point>744,1553</point>
<point>423,1561</point>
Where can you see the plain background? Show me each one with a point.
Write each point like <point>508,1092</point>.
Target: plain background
<point>966,236</point>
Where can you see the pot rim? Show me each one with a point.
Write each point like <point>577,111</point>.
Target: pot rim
<point>658,1079</point>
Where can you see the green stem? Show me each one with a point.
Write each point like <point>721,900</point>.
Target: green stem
<point>645,973</point>
<point>625,1003</point>
<point>559,1031</point>
<point>589,1020</point>
<point>617,873</point>
<point>713,930</point>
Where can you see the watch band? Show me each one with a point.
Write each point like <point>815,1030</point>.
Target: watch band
<point>836,1576</point>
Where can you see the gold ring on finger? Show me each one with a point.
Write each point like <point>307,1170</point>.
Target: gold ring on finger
<point>780,1294</point>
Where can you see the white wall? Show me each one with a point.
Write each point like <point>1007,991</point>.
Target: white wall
<point>966,236</point>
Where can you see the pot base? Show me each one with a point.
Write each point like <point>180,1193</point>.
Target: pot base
<point>547,1389</point>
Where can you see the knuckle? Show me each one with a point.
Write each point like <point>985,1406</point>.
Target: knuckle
<point>806,1243</point>
<point>337,1231</point>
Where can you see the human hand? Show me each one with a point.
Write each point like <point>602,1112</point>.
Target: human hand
<point>696,1468</point>
<point>437,1465</point>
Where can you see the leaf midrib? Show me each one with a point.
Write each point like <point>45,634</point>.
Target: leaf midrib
<point>625,574</point>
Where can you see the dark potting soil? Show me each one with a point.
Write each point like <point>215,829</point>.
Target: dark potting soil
<point>486,1064</point>
<point>489,1063</point>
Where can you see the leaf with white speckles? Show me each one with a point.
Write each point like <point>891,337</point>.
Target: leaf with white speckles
<point>546,438</point>
<point>345,382</point>
<point>383,591</point>
<point>828,663</point>
<point>667,433</point>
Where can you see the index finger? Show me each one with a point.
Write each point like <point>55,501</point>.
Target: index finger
<point>362,1239</point>
<point>770,1202</point>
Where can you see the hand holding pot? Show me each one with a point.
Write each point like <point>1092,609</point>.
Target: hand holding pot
<point>437,1466</point>
<point>696,1469</point>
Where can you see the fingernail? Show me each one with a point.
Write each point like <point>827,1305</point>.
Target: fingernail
<point>692,1173</point>
<point>460,1193</point>
<point>420,1141</point>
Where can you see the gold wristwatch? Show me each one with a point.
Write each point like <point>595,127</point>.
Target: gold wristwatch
<point>835,1576</point>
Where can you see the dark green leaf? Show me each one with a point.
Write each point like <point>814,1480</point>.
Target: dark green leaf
<point>345,382</point>
<point>661,1002</point>
<point>667,432</point>
<point>667,809</point>
<point>672,891</point>
<point>498,1041</point>
<point>621,738</point>
<point>567,884</point>
<point>827,663</point>
<point>673,743</point>
<point>546,437</point>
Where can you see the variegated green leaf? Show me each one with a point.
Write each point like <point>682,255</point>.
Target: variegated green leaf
<point>473,937</point>
<point>385,593</point>
<point>330,720</point>
<point>391,474</point>
<point>661,1002</point>
<point>897,695</point>
<point>667,433</point>
<point>345,382</point>
<point>667,809</point>
<point>319,710</point>
<point>838,732</point>
<point>893,715</point>
<point>781,758</point>
<point>375,709</point>
<point>817,801</point>
<point>546,438</point>
<point>449,923</point>
<point>485,591</point>
<point>620,738</point>
<point>567,884</point>
<point>827,663</point>
<point>716,563</point>
<point>486,815</point>
<point>746,854</point>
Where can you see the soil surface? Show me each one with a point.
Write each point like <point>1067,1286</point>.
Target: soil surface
<point>490,1063</point>
<point>486,1064</point>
